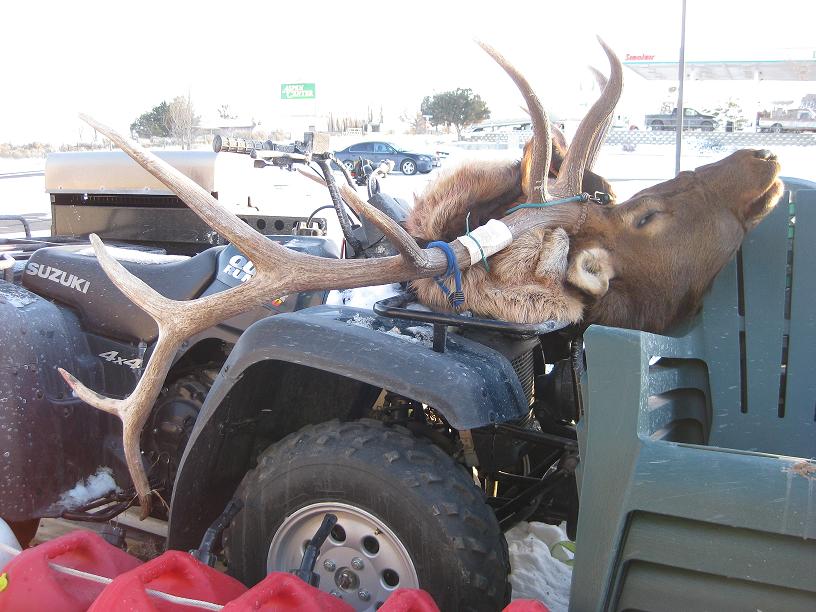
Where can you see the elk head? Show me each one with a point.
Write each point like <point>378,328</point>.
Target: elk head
<point>644,264</point>
<point>647,262</point>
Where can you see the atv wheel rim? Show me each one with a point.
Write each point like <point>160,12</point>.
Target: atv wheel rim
<point>362,562</point>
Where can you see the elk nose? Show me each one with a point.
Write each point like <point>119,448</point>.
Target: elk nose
<point>765,154</point>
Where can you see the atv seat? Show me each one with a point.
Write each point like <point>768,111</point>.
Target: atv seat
<point>696,488</point>
<point>72,275</point>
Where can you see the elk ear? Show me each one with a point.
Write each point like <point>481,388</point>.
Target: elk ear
<point>591,270</point>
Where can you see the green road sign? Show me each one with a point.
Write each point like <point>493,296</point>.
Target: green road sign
<point>297,91</point>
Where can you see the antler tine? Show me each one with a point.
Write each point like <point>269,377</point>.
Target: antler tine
<point>601,79</point>
<point>402,240</point>
<point>203,204</point>
<point>590,131</point>
<point>542,145</point>
<point>176,322</point>
<point>312,176</point>
<point>278,271</point>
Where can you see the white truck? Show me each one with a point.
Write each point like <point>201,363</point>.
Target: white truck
<point>791,120</point>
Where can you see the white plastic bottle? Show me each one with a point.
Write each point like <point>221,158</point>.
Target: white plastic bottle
<point>7,538</point>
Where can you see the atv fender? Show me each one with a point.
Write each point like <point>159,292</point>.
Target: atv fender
<point>49,439</point>
<point>469,384</point>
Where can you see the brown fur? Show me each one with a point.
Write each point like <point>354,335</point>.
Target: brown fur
<point>483,189</point>
<point>618,272</point>
<point>524,283</point>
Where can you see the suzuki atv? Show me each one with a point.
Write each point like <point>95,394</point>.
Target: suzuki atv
<point>426,434</point>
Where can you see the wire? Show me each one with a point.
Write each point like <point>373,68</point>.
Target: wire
<point>314,212</point>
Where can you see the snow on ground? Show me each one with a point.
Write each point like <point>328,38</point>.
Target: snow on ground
<point>91,488</point>
<point>536,574</point>
<point>362,297</point>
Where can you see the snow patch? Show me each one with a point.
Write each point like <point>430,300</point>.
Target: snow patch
<point>134,256</point>
<point>423,333</point>
<point>535,573</point>
<point>91,488</point>
<point>361,321</point>
<point>418,334</point>
<point>362,297</point>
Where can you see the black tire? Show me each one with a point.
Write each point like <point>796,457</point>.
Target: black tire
<point>408,166</point>
<point>657,126</point>
<point>349,164</point>
<point>707,126</point>
<point>427,500</point>
<point>776,128</point>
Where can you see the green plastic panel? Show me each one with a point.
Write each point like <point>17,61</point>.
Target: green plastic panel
<point>800,397</point>
<point>697,486</point>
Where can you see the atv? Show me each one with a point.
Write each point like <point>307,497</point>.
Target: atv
<point>410,426</point>
<point>425,434</point>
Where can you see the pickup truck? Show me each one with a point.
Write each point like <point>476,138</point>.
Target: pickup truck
<point>791,120</point>
<point>691,120</point>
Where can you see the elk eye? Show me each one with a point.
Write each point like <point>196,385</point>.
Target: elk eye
<point>646,218</point>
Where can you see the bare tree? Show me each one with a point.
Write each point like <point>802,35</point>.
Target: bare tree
<point>180,120</point>
<point>417,123</point>
<point>224,112</point>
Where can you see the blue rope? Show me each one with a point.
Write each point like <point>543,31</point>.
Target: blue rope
<point>456,298</point>
<point>467,233</point>
<point>583,197</point>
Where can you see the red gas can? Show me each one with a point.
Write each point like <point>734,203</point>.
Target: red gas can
<point>409,600</point>
<point>526,605</point>
<point>176,573</point>
<point>280,592</point>
<point>33,585</point>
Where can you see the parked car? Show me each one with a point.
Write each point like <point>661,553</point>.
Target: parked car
<point>408,162</point>
<point>692,120</point>
<point>791,120</point>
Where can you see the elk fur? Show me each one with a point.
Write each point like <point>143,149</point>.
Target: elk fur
<point>524,283</point>
<point>644,263</point>
<point>609,270</point>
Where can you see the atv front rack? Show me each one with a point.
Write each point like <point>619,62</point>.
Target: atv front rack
<point>396,307</point>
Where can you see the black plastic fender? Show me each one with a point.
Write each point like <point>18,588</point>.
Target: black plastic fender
<point>49,440</point>
<point>470,384</point>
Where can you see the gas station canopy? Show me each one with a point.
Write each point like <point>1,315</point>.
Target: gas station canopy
<point>782,65</point>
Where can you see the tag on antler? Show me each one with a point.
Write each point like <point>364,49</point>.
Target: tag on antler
<point>486,240</point>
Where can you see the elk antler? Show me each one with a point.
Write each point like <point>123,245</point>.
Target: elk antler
<point>542,140</point>
<point>596,148</point>
<point>279,271</point>
<point>588,138</point>
<point>591,131</point>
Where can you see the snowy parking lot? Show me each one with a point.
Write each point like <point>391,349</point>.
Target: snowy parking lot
<point>274,191</point>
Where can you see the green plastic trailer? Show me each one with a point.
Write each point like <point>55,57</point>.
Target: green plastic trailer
<point>698,481</point>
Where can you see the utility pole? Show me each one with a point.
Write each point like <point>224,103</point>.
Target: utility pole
<point>681,76</point>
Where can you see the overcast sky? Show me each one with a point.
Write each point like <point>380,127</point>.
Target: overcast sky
<point>117,59</point>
